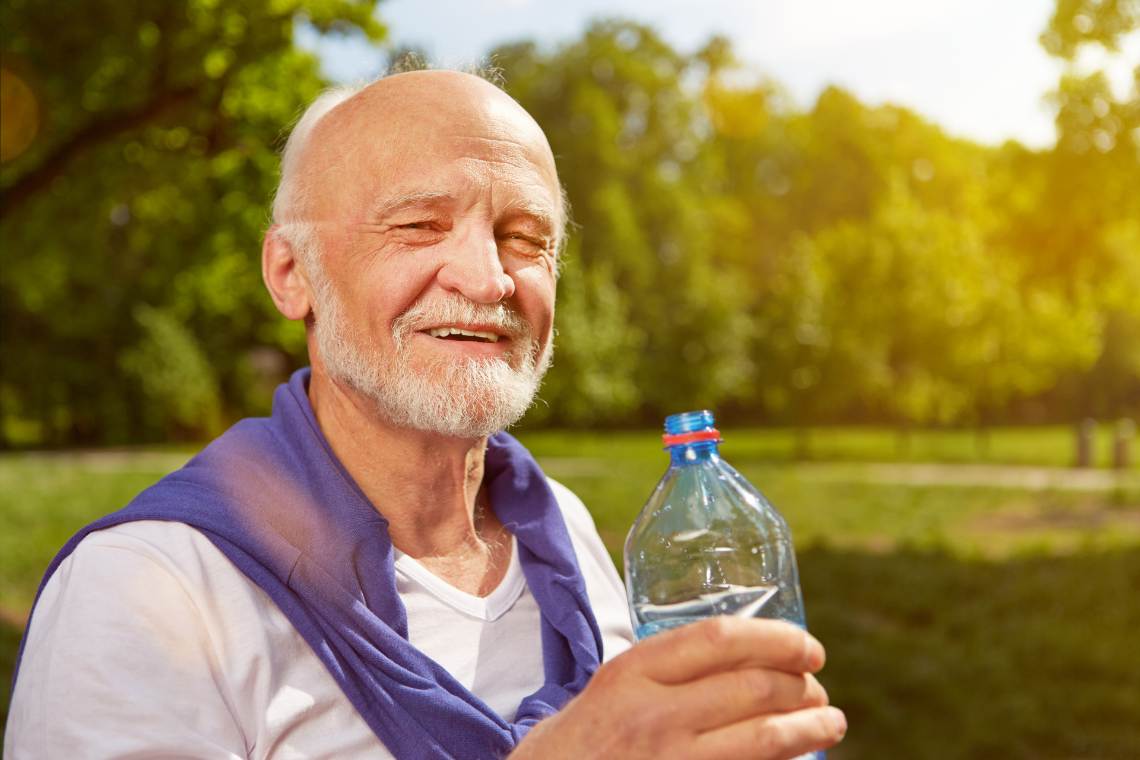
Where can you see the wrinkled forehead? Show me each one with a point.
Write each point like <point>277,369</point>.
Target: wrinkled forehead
<point>475,172</point>
<point>472,138</point>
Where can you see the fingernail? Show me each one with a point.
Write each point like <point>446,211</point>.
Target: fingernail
<point>840,721</point>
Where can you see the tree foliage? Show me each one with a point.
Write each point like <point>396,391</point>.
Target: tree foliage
<point>147,183</point>
<point>1079,22</point>
<point>869,266</point>
<point>731,248</point>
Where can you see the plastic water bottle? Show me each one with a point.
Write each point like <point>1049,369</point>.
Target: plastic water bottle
<point>707,542</point>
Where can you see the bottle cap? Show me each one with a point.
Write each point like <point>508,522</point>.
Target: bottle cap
<point>689,422</point>
<point>690,427</point>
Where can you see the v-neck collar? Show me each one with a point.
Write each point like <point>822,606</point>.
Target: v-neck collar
<point>490,607</point>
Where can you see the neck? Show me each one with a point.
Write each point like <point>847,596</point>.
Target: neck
<point>428,486</point>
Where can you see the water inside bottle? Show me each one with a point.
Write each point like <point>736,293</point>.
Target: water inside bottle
<point>740,601</point>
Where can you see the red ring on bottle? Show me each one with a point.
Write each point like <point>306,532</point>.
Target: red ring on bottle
<point>676,439</point>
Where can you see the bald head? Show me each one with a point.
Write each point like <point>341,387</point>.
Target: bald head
<point>352,144</point>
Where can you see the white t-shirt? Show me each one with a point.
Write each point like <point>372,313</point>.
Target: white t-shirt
<point>148,642</point>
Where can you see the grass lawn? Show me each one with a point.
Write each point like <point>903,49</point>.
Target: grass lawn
<point>966,615</point>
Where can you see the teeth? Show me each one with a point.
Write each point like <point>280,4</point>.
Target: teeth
<point>443,332</point>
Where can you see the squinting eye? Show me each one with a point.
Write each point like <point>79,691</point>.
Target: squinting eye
<point>527,242</point>
<point>425,225</point>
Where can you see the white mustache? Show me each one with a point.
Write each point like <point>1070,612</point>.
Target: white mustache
<point>457,310</point>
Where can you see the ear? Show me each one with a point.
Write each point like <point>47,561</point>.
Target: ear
<point>283,276</point>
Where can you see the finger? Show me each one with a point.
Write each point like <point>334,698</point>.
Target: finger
<point>726,698</point>
<point>724,643</point>
<point>774,737</point>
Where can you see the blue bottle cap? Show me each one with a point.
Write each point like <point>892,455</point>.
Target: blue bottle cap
<point>688,422</point>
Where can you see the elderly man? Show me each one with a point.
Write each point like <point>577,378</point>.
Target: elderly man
<point>375,570</point>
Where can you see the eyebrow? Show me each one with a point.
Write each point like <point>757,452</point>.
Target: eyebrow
<point>410,200</point>
<point>540,212</point>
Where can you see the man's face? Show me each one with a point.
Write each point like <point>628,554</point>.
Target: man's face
<point>434,296</point>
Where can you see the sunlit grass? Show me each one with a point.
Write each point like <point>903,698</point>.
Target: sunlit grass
<point>932,655</point>
<point>45,498</point>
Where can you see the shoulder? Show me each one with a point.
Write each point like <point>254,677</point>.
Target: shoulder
<point>157,586</point>
<point>174,550</point>
<point>164,570</point>
<point>574,512</point>
<point>161,548</point>
<point>588,543</point>
<point>128,618</point>
<point>163,541</point>
<point>603,585</point>
<point>151,572</point>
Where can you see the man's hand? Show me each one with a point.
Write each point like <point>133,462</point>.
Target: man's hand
<point>721,688</point>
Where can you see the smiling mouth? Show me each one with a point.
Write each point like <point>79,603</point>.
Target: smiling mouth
<point>459,334</point>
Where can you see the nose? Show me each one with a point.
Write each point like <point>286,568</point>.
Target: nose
<point>474,270</point>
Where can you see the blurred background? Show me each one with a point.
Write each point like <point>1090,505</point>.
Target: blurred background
<point>895,246</point>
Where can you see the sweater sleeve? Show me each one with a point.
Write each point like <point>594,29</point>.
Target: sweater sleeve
<point>119,662</point>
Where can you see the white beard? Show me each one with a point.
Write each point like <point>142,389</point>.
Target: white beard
<point>468,399</point>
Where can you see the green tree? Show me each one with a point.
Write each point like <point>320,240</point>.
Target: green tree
<point>147,183</point>
<point>862,224</point>
<point>1085,225</point>
<point>1079,22</point>
<point>887,304</point>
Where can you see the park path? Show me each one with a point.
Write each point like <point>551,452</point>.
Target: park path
<point>1018,477</point>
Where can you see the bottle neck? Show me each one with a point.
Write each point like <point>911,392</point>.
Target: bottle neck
<point>693,453</point>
